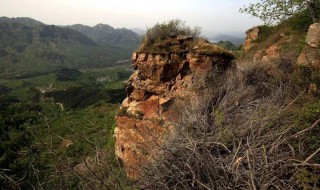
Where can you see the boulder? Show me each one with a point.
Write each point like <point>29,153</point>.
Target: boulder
<point>313,36</point>
<point>310,55</point>
<point>182,38</point>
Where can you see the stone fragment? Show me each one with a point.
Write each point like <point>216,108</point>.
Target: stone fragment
<point>182,38</point>
<point>310,55</point>
<point>313,36</point>
<point>195,47</point>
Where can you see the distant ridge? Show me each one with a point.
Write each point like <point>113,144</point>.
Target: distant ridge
<point>138,31</point>
<point>22,20</point>
<point>236,40</point>
<point>16,28</point>
<point>103,33</point>
<point>29,48</point>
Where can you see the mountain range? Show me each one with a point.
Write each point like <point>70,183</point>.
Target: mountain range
<point>103,33</point>
<point>22,20</point>
<point>29,47</point>
<point>235,39</point>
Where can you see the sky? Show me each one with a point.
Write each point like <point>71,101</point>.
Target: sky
<point>213,16</point>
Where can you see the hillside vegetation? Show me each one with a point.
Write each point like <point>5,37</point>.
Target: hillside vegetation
<point>59,93</point>
<point>103,33</point>
<point>255,126</point>
<point>253,123</point>
<point>55,129</point>
<point>30,48</point>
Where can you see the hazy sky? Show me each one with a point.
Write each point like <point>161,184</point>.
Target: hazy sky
<point>213,16</point>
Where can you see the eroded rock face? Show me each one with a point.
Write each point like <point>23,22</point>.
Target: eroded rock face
<point>310,56</point>
<point>251,36</point>
<point>273,52</point>
<point>160,82</point>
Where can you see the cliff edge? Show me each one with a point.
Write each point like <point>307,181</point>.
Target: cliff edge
<point>165,74</point>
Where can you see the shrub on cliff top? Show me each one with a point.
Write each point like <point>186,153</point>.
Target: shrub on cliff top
<point>162,31</point>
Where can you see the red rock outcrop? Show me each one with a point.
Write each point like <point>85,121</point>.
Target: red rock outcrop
<point>251,36</point>
<point>310,56</point>
<point>272,52</point>
<point>160,81</point>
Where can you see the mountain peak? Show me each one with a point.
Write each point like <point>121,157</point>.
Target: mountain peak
<point>22,20</point>
<point>104,26</point>
<point>104,33</point>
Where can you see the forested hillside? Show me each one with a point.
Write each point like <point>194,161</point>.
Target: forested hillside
<point>29,48</point>
<point>59,93</point>
<point>103,33</point>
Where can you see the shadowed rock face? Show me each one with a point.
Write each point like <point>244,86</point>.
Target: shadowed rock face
<point>159,84</point>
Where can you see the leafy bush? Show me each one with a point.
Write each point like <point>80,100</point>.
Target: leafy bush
<point>275,11</point>
<point>300,22</point>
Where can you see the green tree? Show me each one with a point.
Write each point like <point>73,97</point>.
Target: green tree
<point>314,8</point>
<point>274,11</point>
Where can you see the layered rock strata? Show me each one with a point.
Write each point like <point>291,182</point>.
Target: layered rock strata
<point>161,80</point>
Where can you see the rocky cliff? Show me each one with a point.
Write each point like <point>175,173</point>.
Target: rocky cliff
<point>164,75</point>
<point>251,35</point>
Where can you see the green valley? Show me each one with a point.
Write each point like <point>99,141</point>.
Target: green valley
<point>59,94</point>
<point>35,49</point>
<point>51,123</point>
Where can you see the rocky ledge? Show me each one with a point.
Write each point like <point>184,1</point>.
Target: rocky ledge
<point>163,77</point>
<point>310,55</point>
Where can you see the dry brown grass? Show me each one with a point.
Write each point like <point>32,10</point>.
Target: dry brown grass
<point>238,134</point>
